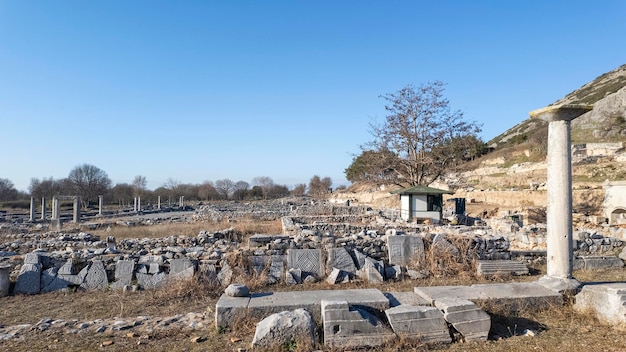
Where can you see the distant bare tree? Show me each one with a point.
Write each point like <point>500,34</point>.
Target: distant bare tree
<point>45,187</point>
<point>278,191</point>
<point>88,181</point>
<point>298,190</point>
<point>239,189</point>
<point>121,193</point>
<point>224,187</point>
<point>319,185</point>
<point>139,184</point>
<point>207,191</point>
<point>7,190</point>
<point>265,182</point>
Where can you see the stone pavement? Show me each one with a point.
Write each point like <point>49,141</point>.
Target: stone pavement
<point>426,310</point>
<point>515,295</point>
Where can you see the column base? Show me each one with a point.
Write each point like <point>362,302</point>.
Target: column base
<point>559,284</point>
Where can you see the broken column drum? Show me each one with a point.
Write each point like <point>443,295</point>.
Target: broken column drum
<point>559,185</point>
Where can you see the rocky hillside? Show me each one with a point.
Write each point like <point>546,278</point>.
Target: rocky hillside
<point>605,123</point>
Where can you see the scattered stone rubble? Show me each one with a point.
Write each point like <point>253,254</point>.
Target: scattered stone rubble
<point>311,248</point>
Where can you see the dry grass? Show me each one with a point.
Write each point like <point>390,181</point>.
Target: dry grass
<point>243,227</point>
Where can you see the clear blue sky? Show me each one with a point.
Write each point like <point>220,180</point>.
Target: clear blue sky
<point>206,90</point>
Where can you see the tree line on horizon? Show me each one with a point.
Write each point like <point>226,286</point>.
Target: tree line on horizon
<point>89,182</point>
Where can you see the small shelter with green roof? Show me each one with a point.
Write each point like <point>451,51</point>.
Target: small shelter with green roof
<point>421,203</point>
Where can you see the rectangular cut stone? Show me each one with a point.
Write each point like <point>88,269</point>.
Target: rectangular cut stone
<point>123,273</point>
<point>347,326</point>
<point>432,293</point>
<point>178,266</point>
<point>341,259</point>
<point>258,263</point>
<point>598,262</point>
<point>607,300</point>
<point>277,267</point>
<point>501,267</point>
<point>29,279</point>
<point>405,298</point>
<point>308,260</point>
<point>465,317</point>
<point>67,268</point>
<point>96,278</point>
<point>230,310</point>
<point>372,271</point>
<point>148,281</point>
<point>421,323</point>
<point>31,258</point>
<point>264,304</point>
<point>517,296</point>
<point>404,250</point>
<point>259,240</point>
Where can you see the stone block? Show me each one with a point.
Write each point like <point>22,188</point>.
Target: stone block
<point>280,328</point>
<point>336,276</point>
<point>405,298</point>
<point>348,326</point>
<point>307,260</point>
<point>67,268</point>
<point>501,267</point>
<point>230,310</point>
<point>373,271</point>
<point>466,318</point>
<point>148,281</point>
<point>598,262</point>
<point>606,300</point>
<point>263,304</point>
<point>123,273</point>
<point>29,279</point>
<point>96,278</point>
<point>426,324</point>
<point>404,250</point>
<point>293,276</point>
<point>276,268</point>
<point>341,259</point>
<point>181,269</point>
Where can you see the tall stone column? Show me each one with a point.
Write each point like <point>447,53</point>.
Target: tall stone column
<point>100,200</point>
<point>560,257</point>
<point>43,208</point>
<point>32,209</point>
<point>138,203</point>
<point>55,208</point>
<point>76,212</point>
<point>159,202</point>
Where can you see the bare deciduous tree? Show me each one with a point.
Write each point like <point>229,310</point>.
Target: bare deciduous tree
<point>298,190</point>
<point>88,181</point>
<point>224,187</point>
<point>423,133</point>
<point>319,185</point>
<point>139,184</point>
<point>45,187</point>
<point>7,190</point>
<point>265,182</point>
<point>239,189</point>
<point>207,191</point>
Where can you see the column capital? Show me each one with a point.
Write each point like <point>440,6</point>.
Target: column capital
<point>565,112</point>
